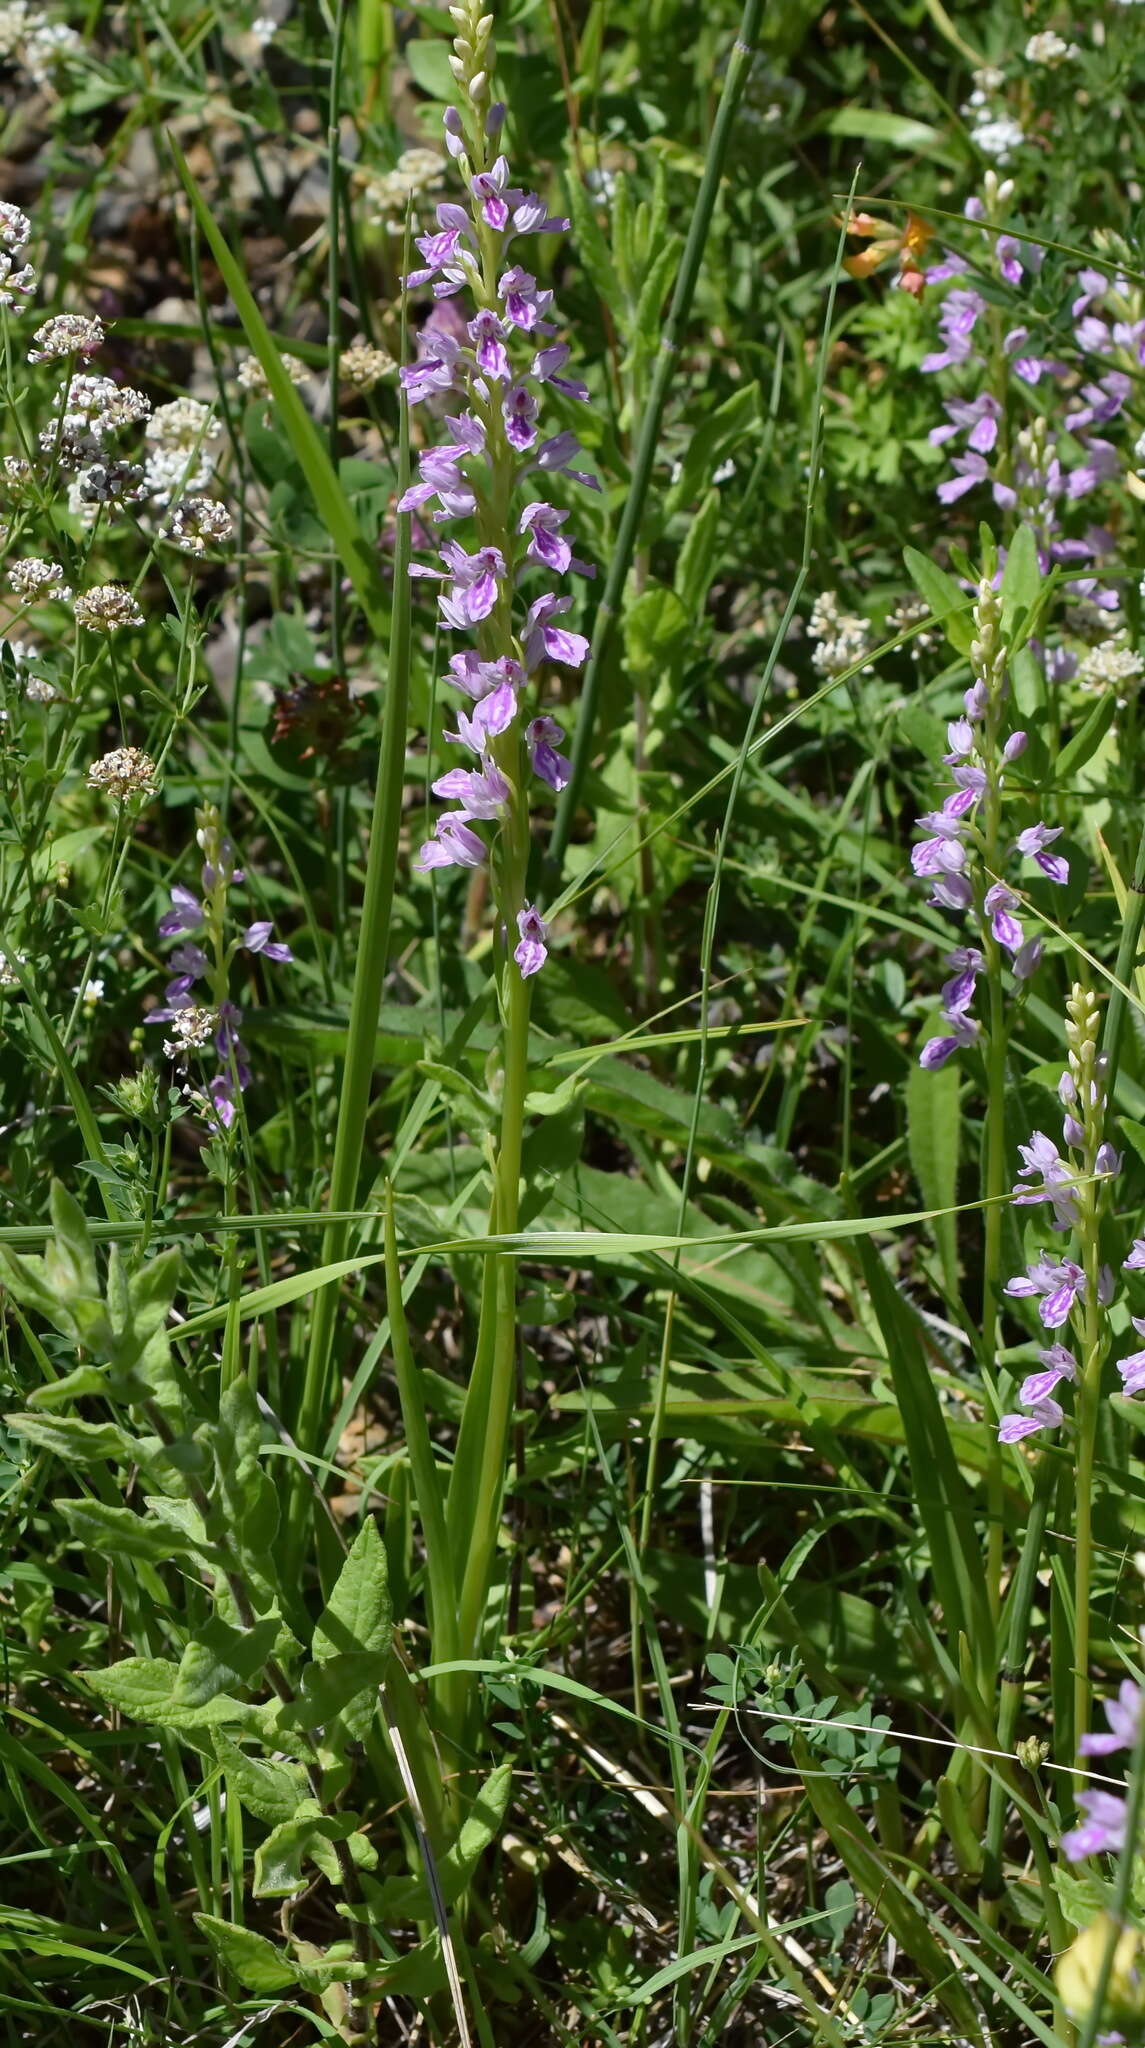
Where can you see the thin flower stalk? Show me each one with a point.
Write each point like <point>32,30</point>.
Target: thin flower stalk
<point>487,358</point>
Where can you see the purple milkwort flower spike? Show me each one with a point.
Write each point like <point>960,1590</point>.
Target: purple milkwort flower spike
<point>532,951</point>
<point>498,357</point>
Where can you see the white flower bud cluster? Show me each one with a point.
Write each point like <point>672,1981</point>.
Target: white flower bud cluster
<point>1050,49</point>
<point>125,772</point>
<point>93,408</point>
<point>37,46</point>
<point>843,638</point>
<point>1110,667</point>
<point>987,652</point>
<point>16,279</point>
<point>388,194</point>
<point>470,61</point>
<point>197,524</point>
<point>180,455</point>
<point>191,1030</point>
<point>251,377</point>
<point>106,608</point>
<point>361,366</point>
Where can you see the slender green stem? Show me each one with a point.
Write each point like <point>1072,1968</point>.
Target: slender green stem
<point>1021,1600</point>
<point>1120,1915</point>
<point>1088,1405</point>
<point>482,1536</point>
<point>628,533</point>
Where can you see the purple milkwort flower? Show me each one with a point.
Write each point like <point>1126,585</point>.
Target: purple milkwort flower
<point>454,845</point>
<point>1135,1263</point>
<point>543,737</point>
<point>1055,1284</point>
<point>1132,1369</point>
<point>1044,1414</point>
<point>532,950</point>
<point>481,793</point>
<point>1032,843</point>
<point>524,303</point>
<point>961,312</point>
<point>542,638</point>
<point>1124,1717</point>
<point>1051,1180</point>
<point>977,418</point>
<point>1103,1830</point>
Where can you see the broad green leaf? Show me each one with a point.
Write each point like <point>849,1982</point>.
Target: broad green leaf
<point>247,1495</point>
<point>1088,737</point>
<point>256,1962</point>
<point>219,1657</point>
<point>111,1530</point>
<point>949,603</point>
<point>343,1688</point>
<point>695,565</point>
<point>874,124</point>
<point>83,1443</point>
<point>144,1687</point>
<point>1021,583</point>
<point>308,1837</point>
<point>428,60</point>
<point>358,1615</point>
<point>273,1792</point>
<point>656,626</point>
<point>933,1123</point>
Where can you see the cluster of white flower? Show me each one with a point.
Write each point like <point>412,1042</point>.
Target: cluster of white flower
<point>125,772</point>
<point>994,133</point>
<point>191,1030</point>
<point>38,690</point>
<point>361,366</point>
<point>389,193</point>
<point>66,334</point>
<point>1110,667</point>
<point>251,377</point>
<point>843,638</point>
<point>106,608</point>
<point>908,612</point>
<point>37,46</point>
<point>8,976</point>
<point>34,580</point>
<point>180,455</point>
<point>90,409</point>
<point>16,279</point>
<point>197,524</point>
<point>1050,49</point>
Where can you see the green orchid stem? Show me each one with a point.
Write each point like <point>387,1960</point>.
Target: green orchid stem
<point>1021,1600</point>
<point>1088,1407</point>
<point>491,1403</point>
<point>648,446</point>
<point>992,1265</point>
